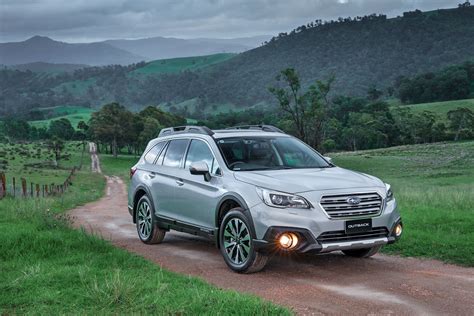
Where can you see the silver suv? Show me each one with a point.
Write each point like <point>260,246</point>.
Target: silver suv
<point>257,191</point>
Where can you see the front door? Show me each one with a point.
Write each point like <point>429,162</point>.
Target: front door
<point>197,198</point>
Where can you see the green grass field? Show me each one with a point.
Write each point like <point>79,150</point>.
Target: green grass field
<point>74,114</point>
<point>34,162</point>
<point>175,65</point>
<point>441,108</point>
<point>434,187</point>
<point>48,268</point>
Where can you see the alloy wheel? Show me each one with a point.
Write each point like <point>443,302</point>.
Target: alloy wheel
<point>237,241</point>
<point>144,220</point>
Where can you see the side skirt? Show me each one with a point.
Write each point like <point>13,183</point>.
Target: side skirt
<point>171,224</point>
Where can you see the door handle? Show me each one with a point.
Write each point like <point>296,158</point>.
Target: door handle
<point>152,175</point>
<point>180,182</point>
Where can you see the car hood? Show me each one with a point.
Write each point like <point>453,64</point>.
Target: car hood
<point>304,180</point>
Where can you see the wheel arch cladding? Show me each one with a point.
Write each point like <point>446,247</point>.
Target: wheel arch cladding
<point>228,202</point>
<point>139,193</point>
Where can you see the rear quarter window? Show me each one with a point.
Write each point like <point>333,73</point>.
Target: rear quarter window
<point>150,156</point>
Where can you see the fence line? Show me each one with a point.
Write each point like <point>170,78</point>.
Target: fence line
<point>33,189</point>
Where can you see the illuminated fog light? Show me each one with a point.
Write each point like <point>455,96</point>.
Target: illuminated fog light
<point>398,230</point>
<point>288,240</point>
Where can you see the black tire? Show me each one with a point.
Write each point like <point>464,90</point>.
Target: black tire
<point>362,253</point>
<point>254,261</point>
<point>147,227</point>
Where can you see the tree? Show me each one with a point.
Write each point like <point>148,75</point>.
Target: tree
<point>307,111</point>
<point>56,145</point>
<point>111,125</point>
<point>61,128</point>
<point>16,129</point>
<point>461,122</point>
<point>373,94</point>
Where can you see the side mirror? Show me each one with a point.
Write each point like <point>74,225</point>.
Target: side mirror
<point>329,159</point>
<point>200,168</point>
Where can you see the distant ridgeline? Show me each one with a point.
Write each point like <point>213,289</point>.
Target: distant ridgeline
<point>361,52</point>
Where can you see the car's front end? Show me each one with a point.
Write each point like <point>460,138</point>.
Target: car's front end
<point>320,210</point>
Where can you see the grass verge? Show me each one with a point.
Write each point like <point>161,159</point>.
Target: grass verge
<point>435,192</point>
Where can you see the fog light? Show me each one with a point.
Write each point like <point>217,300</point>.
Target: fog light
<point>398,230</point>
<point>288,240</point>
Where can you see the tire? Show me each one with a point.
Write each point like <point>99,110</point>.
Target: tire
<point>147,226</point>
<point>362,253</point>
<point>236,243</point>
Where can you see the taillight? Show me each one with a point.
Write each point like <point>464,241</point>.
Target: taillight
<point>132,171</point>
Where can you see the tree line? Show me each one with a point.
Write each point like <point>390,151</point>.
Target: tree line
<point>311,113</point>
<point>451,83</point>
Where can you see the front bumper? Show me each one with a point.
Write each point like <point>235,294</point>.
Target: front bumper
<point>319,234</point>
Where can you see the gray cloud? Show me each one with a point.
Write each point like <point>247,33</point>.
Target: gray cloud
<point>86,20</point>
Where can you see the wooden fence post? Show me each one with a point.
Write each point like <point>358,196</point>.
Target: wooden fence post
<point>32,192</point>
<point>23,187</point>
<point>4,184</point>
<point>45,188</point>
<point>37,190</point>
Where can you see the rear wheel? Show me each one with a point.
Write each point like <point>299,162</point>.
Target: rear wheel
<point>362,253</point>
<point>147,227</point>
<point>236,244</point>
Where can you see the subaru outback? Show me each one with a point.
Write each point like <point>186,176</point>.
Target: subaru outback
<point>256,191</point>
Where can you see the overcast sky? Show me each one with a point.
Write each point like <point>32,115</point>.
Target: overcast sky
<point>93,20</point>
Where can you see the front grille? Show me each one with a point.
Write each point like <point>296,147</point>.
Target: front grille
<point>337,206</point>
<point>341,236</point>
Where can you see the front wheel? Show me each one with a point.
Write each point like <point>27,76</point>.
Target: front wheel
<point>362,253</point>
<point>236,245</point>
<point>147,227</point>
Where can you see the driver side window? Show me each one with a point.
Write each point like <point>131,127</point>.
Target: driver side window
<point>199,151</point>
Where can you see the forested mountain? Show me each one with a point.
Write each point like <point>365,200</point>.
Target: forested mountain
<point>168,47</point>
<point>361,53</point>
<point>44,49</point>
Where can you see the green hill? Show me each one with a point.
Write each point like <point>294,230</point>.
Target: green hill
<point>74,114</point>
<point>441,108</point>
<point>176,65</point>
<point>358,51</point>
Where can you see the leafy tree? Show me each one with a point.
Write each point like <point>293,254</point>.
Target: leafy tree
<point>461,122</point>
<point>61,128</point>
<point>307,110</point>
<point>16,129</point>
<point>56,145</point>
<point>373,94</point>
<point>111,124</point>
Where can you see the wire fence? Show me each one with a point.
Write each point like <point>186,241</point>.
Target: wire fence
<point>22,188</point>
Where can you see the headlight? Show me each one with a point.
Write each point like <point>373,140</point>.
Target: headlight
<point>389,192</point>
<point>282,200</point>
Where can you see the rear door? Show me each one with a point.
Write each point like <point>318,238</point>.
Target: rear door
<point>196,199</point>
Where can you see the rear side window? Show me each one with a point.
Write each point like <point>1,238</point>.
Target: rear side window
<point>175,152</point>
<point>153,152</point>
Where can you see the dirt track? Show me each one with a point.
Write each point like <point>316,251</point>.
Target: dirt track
<point>326,284</point>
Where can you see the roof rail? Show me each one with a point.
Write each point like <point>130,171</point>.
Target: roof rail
<point>186,129</point>
<point>264,128</point>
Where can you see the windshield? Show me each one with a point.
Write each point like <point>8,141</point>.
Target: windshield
<point>265,153</point>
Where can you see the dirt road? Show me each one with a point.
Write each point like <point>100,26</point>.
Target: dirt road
<point>311,285</point>
<point>95,164</point>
